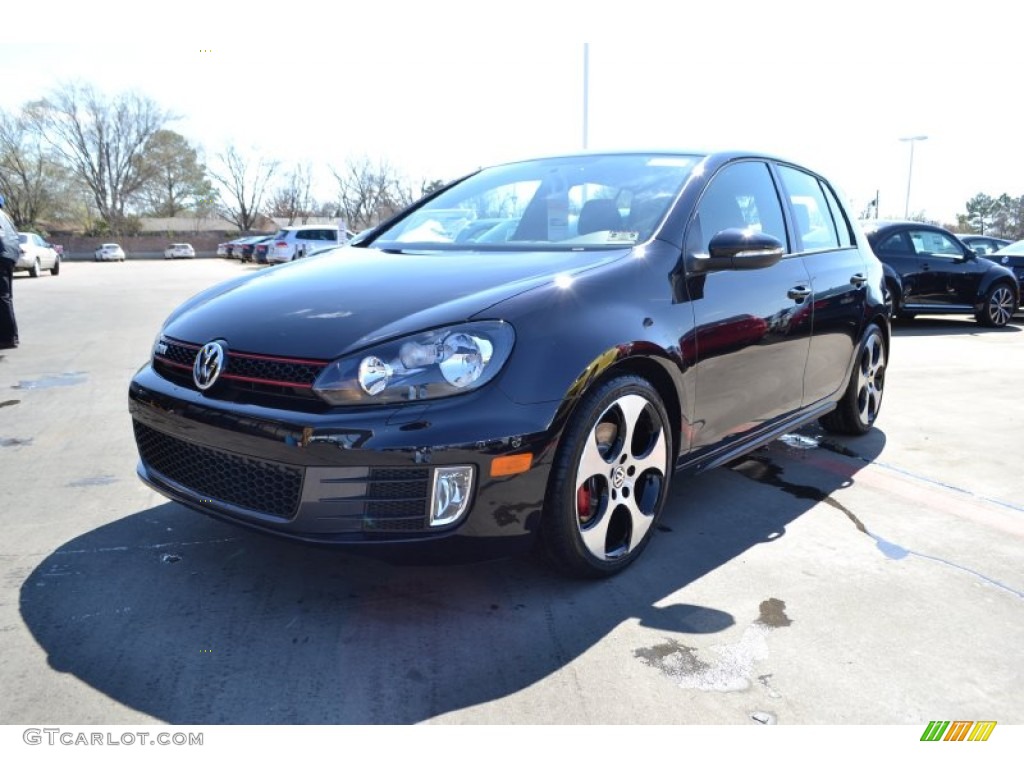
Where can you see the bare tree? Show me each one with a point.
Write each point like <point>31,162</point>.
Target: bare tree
<point>294,199</point>
<point>101,141</point>
<point>243,182</point>
<point>369,192</point>
<point>30,178</point>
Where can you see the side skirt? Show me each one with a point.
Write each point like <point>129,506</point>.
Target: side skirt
<point>724,455</point>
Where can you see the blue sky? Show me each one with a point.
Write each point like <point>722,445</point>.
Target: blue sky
<point>440,88</point>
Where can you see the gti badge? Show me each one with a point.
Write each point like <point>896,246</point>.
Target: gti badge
<point>208,365</point>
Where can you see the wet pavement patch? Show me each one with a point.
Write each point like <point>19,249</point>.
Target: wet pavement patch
<point>764,470</point>
<point>722,667</point>
<point>759,468</point>
<point>96,480</point>
<point>672,657</point>
<point>49,382</point>
<point>773,613</point>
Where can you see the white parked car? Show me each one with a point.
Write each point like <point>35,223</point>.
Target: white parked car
<point>295,242</point>
<point>180,251</point>
<point>36,256</point>
<point>109,252</point>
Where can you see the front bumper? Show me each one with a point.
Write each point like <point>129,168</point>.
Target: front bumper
<point>359,477</point>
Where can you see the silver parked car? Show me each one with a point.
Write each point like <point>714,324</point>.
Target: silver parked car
<point>37,255</point>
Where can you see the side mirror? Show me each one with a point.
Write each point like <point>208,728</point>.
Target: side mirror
<point>739,249</point>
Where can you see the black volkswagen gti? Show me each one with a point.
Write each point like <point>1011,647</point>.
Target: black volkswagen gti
<point>930,271</point>
<point>534,378</point>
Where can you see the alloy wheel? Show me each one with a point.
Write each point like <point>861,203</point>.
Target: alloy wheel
<point>620,477</point>
<point>1000,306</point>
<point>870,378</point>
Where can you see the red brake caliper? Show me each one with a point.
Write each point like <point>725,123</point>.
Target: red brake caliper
<point>583,503</point>
<point>584,498</point>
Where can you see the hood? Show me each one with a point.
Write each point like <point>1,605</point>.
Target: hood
<point>338,302</point>
<point>1007,259</point>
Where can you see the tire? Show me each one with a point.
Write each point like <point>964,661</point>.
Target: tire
<point>998,307</point>
<point>857,410</point>
<point>55,270</point>
<point>892,295</point>
<point>36,269</point>
<point>895,301</point>
<point>609,480</point>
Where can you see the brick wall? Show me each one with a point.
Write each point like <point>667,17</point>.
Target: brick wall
<point>205,243</point>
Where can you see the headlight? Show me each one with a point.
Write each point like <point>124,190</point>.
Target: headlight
<point>439,363</point>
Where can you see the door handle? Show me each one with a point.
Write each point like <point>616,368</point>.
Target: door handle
<point>798,293</point>
<point>858,279</point>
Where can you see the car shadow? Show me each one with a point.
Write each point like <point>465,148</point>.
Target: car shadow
<point>948,326</point>
<point>191,620</point>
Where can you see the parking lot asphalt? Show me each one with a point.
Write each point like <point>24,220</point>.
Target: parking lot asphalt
<point>876,580</point>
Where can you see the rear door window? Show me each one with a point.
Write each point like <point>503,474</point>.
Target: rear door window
<point>812,216</point>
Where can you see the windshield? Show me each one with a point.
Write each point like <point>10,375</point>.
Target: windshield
<point>567,203</point>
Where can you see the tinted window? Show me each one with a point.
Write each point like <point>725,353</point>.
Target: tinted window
<point>813,218</point>
<point>839,218</point>
<point>898,243</point>
<point>740,196</point>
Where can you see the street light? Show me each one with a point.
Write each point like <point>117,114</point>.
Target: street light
<point>586,92</point>
<point>910,173</point>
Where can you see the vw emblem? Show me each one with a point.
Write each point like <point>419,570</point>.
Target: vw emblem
<point>208,365</point>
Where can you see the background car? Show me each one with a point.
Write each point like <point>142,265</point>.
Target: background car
<point>261,249</point>
<point>232,249</point>
<point>933,272</point>
<point>247,252</point>
<point>646,312</point>
<point>36,256</point>
<point>180,251</point>
<point>292,243</point>
<point>109,252</point>
<point>983,244</point>
<point>1011,257</point>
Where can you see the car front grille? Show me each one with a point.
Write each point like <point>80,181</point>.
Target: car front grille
<point>247,377</point>
<point>250,484</point>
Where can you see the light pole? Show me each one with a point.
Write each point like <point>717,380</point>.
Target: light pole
<point>586,93</point>
<point>910,173</point>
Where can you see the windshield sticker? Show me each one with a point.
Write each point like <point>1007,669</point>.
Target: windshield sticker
<point>623,237</point>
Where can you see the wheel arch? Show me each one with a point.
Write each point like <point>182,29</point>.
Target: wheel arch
<point>993,279</point>
<point>655,370</point>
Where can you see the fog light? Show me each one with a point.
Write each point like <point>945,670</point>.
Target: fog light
<point>449,498</point>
